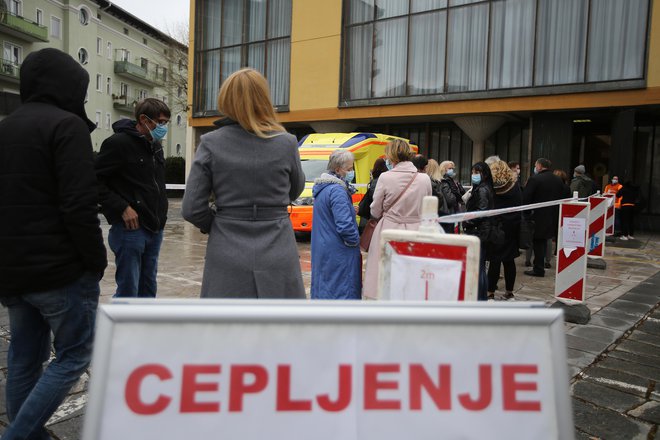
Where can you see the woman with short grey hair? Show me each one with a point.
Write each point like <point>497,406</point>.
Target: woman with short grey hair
<point>336,257</point>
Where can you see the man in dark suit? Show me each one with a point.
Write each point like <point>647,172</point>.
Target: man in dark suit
<point>543,186</point>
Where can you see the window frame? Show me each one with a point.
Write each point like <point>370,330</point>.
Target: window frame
<point>54,18</point>
<point>345,101</point>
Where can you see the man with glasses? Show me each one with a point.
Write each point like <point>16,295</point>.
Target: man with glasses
<point>131,171</point>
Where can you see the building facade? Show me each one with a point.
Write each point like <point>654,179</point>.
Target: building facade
<point>575,81</point>
<point>126,58</point>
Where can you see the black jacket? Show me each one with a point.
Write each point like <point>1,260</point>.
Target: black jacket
<point>131,172</point>
<point>481,200</point>
<point>543,187</point>
<point>49,226</point>
<point>453,193</point>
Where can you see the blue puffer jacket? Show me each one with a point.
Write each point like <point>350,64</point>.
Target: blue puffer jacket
<point>336,258</point>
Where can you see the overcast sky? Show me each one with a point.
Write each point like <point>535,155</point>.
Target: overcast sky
<point>161,14</point>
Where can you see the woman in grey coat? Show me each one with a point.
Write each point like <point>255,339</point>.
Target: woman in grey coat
<point>252,168</point>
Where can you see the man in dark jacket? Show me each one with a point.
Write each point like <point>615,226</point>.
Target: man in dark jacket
<point>543,186</point>
<point>131,172</point>
<point>52,254</point>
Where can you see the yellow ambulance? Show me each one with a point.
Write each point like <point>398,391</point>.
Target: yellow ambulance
<point>315,150</point>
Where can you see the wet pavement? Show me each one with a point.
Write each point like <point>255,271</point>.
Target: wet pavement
<point>614,360</point>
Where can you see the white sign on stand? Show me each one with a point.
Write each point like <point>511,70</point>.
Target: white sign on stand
<point>428,267</point>
<point>316,370</point>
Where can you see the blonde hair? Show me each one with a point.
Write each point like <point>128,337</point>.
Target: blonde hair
<point>398,150</point>
<point>445,165</point>
<point>433,170</point>
<point>245,98</point>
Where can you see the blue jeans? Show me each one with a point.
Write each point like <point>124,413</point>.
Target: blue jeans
<point>33,394</point>
<point>136,257</point>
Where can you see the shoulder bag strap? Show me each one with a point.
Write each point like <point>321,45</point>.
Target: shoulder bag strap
<point>402,192</point>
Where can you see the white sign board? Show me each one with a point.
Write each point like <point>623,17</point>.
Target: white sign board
<point>428,267</point>
<point>573,232</point>
<point>314,370</point>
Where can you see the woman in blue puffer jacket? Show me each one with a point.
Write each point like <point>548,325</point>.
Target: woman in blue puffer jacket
<point>336,258</point>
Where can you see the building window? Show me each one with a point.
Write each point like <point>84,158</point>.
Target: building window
<point>108,86</point>
<point>109,50</point>
<point>179,92</point>
<point>125,31</point>
<point>99,82</point>
<point>179,119</point>
<point>98,118</point>
<point>108,119</point>
<point>178,149</point>
<point>99,46</point>
<point>39,18</point>
<point>12,59</point>
<point>396,49</point>
<point>142,95</point>
<point>55,27</point>
<point>15,7</point>
<point>144,41</point>
<point>123,55</point>
<point>83,56</point>
<point>84,16</point>
<point>235,34</point>
<point>124,89</point>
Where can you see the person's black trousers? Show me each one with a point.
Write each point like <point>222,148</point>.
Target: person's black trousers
<point>540,248</point>
<point>627,220</point>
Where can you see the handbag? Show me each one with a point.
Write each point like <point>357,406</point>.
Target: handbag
<point>367,234</point>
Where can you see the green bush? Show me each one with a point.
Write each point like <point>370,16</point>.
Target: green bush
<point>175,172</point>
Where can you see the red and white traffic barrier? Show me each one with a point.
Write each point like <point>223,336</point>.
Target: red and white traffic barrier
<point>570,279</point>
<point>597,216</point>
<point>609,218</point>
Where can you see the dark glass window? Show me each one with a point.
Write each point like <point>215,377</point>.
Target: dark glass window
<point>232,34</point>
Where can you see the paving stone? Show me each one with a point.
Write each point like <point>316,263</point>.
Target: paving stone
<point>579,435</point>
<point>640,348</point>
<point>588,345</point>
<point>636,358</point>
<point>609,312</point>
<point>577,313</point>
<point>646,338</point>
<point>619,380</point>
<point>596,333</point>
<point>630,307</point>
<point>596,263</point>
<point>605,397</point>
<point>579,358</point>
<point>640,370</point>
<point>641,297</point>
<point>649,412</point>
<point>70,429</point>
<point>610,322</point>
<point>573,370</point>
<point>651,326</point>
<point>607,424</point>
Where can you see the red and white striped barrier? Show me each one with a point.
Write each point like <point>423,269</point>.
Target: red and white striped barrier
<point>597,215</point>
<point>570,285</point>
<point>609,219</point>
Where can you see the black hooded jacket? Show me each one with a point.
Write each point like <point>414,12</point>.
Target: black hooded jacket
<point>131,172</point>
<point>49,226</point>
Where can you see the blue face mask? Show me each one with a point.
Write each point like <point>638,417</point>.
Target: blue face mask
<point>476,179</point>
<point>388,164</point>
<point>451,172</point>
<point>159,132</point>
<point>349,176</point>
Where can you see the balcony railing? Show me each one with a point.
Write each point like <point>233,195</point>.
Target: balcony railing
<point>123,104</point>
<point>22,28</point>
<point>137,73</point>
<point>10,71</point>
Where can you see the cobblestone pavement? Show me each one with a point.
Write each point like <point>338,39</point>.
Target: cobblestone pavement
<point>614,360</point>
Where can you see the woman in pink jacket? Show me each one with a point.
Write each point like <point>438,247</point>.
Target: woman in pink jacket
<point>404,213</point>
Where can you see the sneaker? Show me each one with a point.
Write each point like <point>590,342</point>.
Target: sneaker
<point>623,237</point>
<point>508,295</point>
<point>630,237</point>
<point>547,266</point>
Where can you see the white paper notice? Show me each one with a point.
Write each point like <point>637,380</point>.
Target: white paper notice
<point>419,278</point>
<point>573,233</point>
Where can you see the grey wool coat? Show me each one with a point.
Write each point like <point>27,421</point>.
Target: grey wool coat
<point>251,250</point>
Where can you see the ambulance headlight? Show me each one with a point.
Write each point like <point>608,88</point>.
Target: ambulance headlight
<point>303,201</point>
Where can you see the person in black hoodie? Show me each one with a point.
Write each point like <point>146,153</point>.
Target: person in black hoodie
<point>52,254</point>
<point>131,171</point>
